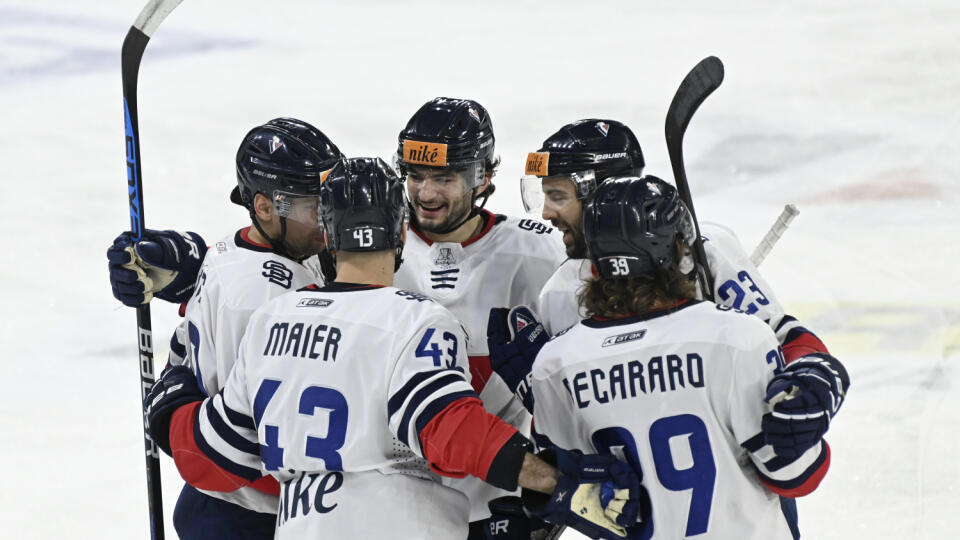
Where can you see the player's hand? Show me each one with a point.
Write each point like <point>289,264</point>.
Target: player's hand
<point>804,397</point>
<point>164,264</point>
<point>599,496</point>
<point>508,521</point>
<point>176,387</point>
<point>514,337</point>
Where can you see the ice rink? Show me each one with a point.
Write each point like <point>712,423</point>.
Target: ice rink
<point>850,110</point>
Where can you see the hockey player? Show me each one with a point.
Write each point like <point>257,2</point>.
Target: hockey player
<point>356,395</point>
<point>673,385</point>
<point>565,171</point>
<point>280,167</point>
<point>462,256</point>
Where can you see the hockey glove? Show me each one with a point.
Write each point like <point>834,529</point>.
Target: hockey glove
<point>176,387</point>
<point>164,264</point>
<point>805,397</point>
<point>508,521</point>
<point>514,337</point>
<point>597,495</point>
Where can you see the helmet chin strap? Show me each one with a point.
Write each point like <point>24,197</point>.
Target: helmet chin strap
<point>277,245</point>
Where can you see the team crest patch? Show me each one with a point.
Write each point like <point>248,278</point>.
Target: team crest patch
<point>445,258</point>
<point>314,302</point>
<point>623,338</point>
<point>275,143</point>
<point>603,127</point>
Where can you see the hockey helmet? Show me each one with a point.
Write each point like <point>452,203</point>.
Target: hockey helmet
<point>449,133</point>
<point>631,225</point>
<point>362,206</point>
<point>586,151</point>
<point>283,159</point>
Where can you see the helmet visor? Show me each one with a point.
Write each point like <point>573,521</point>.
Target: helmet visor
<point>299,208</point>
<point>536,198</point>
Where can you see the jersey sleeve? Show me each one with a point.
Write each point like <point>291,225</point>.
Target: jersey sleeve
<point>431,372</point>
<point>759,355</point>
<point>200,328</point>
<point>214,443</point>
<point>738,284</point>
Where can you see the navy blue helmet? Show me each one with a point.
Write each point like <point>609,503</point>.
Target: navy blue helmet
<point>631,225</point>
<point>449,133</point>
<point>283,158</point>
<point>587,151</point>
<point>362,206</point>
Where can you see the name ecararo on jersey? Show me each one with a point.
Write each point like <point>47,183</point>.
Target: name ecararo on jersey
<point>623,338</point>
<point>627,380</point>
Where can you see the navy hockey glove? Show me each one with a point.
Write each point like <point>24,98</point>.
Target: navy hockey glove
<point>597,495</point>
<point>514,337</point>
<point>508,521</point>
<point>176,387</point>
<point>164,264</point>
<point>805,397</point>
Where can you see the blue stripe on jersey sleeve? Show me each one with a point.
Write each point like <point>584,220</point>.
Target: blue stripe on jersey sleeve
<point>784,321</point>
<point>754,443</point>
<point>238,418</point>
<point>801,478</point>
<point>438,405</point>
<point>247,473</point>
<point>419,397</point>
<point>396,401</point>
<point>227,434</point>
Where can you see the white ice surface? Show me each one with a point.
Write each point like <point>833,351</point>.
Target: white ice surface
<point>848,109</point>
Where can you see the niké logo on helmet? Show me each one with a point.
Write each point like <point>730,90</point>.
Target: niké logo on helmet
<point>537,163</point>
<point>424,153</point>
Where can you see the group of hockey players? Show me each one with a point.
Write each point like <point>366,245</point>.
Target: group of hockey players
<point>378,356</point>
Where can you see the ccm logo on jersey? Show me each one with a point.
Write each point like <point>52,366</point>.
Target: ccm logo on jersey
<point>623,338</point>
<point>314,302</point>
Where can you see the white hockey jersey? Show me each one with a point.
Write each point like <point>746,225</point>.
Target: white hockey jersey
<point>678,394</point>
<point>507,264</point>
<point>236,278</point>
<point>329,395</point>
<point>737,284</point>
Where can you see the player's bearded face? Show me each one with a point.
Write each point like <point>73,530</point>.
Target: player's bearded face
<point>562,209</point>
<point>303,237</point>
<point>440,198</point>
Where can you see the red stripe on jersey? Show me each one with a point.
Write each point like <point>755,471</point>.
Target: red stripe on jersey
<point>809,484</point>
<point>804,344</point>
<point>489,221</point>
<point>195,467</point>
<point>464,439</point>
<point>245,234</point>
<point>480,372</point>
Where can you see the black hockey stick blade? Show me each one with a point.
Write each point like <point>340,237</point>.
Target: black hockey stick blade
<point>702,80</point>
<point>134,46</point>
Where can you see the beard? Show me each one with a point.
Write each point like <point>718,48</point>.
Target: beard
<point>458,213</point>
<point>578,250</point>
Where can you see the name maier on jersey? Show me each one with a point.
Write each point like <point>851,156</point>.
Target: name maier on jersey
<point>672,385</point>
<point>357,395</point>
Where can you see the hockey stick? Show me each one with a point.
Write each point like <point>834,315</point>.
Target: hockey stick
<point>702,80</point>
<point>132,52</point>
<point>776,231</point>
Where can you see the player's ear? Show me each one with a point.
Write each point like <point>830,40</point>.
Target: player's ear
<point>403,235</point>
<point>326,240</point>
<point>263,207</point>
